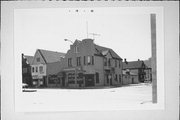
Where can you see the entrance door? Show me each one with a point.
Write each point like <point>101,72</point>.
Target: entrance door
<point>89,80</point>
<point>63,81</point>
<point>109,79</point>
<point>132,80</point>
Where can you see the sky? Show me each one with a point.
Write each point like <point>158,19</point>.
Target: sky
<point>127,33</point>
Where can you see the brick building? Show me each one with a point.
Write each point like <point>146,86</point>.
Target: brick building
<point>87,64</point>
<point>137,67</point>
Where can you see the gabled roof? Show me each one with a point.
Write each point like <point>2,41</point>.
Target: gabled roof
<point>147,63</point>
<point>99,50</point>
<point>133,64</point>
<point>51,56</point>
<point>29,59</point>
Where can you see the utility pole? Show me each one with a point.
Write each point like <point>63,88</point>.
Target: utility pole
<point>153,62</point>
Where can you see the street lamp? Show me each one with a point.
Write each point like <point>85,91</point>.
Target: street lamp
<point>68,40</point>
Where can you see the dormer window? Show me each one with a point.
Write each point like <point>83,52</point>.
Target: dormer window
<point>76,49</point>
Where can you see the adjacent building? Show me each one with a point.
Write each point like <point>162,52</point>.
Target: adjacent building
<point>45,68</point>
<point>136,67</point>
<point>26,69</point>
<point>87,64</point>
<point>148,70</point>
<point>129,78</point>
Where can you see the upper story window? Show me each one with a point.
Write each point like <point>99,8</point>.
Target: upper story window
<point>109,62</point>
<point>69,62</point>
<point>41,69</point>
<point>105,62</point>
<point>36,69</point>
<point>84,60</point>
<point>32,69</point>
<point>78,61</point>
<point>115,63</point>
<point>116,77</point>
<point>76,49</point>
<point>119,63</point>
<point>38,59</point>
<point>89,60</point>
<point>92,60</point>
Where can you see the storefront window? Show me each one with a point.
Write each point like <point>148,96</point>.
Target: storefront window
<point>53,80</point>
<point>116,77</point>
<point>71,78</point>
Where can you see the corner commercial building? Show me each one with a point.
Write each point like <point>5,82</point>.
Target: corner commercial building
<point>87,65</point>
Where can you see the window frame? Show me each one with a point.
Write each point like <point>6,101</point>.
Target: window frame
<point>38,59</point>
<point>84,60</point>
<point>33,70</point>
<point>40,69</point>
<point>89,60</point>
<point>36,69</point>
<point>69,62</point>
<point>92,57</point>
<point>115,63</point>
<point>78,61</point>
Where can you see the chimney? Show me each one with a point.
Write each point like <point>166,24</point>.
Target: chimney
<point>138,59</point>
<point>125,61</point>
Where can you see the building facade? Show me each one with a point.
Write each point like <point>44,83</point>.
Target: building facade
<point>45,68</point>
<point>136,67</point>
<point>87,65</point>
<point>148,70</point>
<point>129,78</point>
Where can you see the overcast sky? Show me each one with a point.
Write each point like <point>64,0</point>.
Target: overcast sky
<point>128,34</point>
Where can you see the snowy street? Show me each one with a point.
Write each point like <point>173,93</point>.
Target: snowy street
<point>134,94</point>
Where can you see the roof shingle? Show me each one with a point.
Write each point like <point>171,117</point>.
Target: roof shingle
<point>133,65</point>
<point>29,59</point>
<point>51,56</point>
<point>99,50</point>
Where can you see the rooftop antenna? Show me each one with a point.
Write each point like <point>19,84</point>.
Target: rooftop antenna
<point>94,34</point>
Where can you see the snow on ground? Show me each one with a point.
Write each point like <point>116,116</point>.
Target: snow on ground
<point>56,98</point>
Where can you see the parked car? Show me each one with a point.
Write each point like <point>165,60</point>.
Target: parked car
<point>24,85</point>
